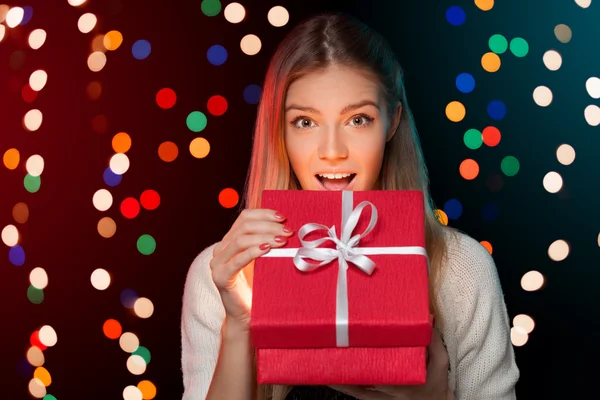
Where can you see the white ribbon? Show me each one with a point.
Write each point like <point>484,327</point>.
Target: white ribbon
<point>346,251</point>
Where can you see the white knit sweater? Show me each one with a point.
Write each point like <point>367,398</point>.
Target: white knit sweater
<point>476,326</point>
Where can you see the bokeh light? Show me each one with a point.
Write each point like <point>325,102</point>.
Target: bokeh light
<point>166,98</point>
<point>143,307</point>
<point>48,336</point>
<point>100,279</point>
<point>519,47</point>
<point>107,227</point>
<point>136,365</point>
<point>146,244</point>
<point>592,85</point>
<point>20,213</point>
<point>455,111</point>
<point>102,200</point>
<point>129,342</point>
<point>119,163</point>
<point>76,3</point>
<point>465,82</point>
<point>491,62</point>
<point>11,158</point>
<point>234,13</point>
<point>498,44</point>
<point>558,250</point>
<point>210,8</point>
<point>278,16</point>
<point>583,3</point>
<point>552,182</point>
<point>130,208</point>
<point>250,44</point>
<point>128,298</point>
<point>35,356</point>
<point>10,235</point>
<point>36,388</point>
<point>121,142</point>
<point>148,389</point>
<point>563,33</point>
<point>112,329</point>
<point>510,166</point>
<point>216,55</point>
<point>199,147</point>
<point>33,120</point>
<point>456,16</point>
<point>96,61</point>
<point>252,94</point>
<point>141,49</point>
<point>473,139</point>
<point>542,96</point>
<point>94,90</point>
<point>453,209</point>
<point>2,32</point>
<point>592,115</point>
<point>518,336</point>
<point>16,255</point>
<point>441,217</point>
<point>196,121</point>
<point>552,60</point>
<point>524,321</point>
<point>565,154</point>
<point>38,278</point>
<point>484,5</point>
<point>496,110</point>
<point>131,392</point>
<point>32,183</point>
<point>469,169</point>
<point>491,136</point>
<point>168,151</point>
<point>112,40</point>
<point>487,245</point>
<point>150,199</point>
<point>217,105</point>
<point>43,376</point>
<point>14,17</point>
<point>38,79</point>
<point>87,22</point>
<point>35,165</point>
<point>228,198</point>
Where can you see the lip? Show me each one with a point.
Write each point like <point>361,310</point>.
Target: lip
<point>348,187</point>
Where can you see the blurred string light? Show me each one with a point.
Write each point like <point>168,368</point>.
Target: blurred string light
<point>559,250</point>
<point>552,182</point>
<point>87,22</point>
<point>278,16</point>
<point>583,3</point>
<point>542,96</point>
<point>565,154</point>
<point>234,13</point>
<point>38,79</point>
<point>484,5</point>
<point>76,3</point>
<point>532,281</point>
<point>14,17</point>
<point>100,279</point>
<point>250,44</point>
<point>552,60</point>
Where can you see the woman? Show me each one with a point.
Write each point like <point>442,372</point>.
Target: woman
<point>334,102</point>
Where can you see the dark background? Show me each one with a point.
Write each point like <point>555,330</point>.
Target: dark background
<point>61,234</point>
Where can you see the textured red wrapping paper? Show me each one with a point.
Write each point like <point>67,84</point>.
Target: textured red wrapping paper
<point>293,312</point>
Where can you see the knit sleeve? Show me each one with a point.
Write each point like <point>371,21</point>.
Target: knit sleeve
<point>478,340</point>
<point>202,316</point>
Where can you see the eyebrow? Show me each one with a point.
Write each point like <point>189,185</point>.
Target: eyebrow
<point>346,109</point>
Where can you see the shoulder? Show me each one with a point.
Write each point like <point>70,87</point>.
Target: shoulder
<point>467,262</point>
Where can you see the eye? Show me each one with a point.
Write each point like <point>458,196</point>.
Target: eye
<point>302,123</point>
<point>361,120</point>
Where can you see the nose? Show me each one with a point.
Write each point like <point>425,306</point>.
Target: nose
<point>332,145</point>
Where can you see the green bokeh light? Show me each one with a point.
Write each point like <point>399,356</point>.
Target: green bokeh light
<point>498,44</point>
<point>510,166</point>
<point>519,47</point>
<point>146,244</point>
<point>32,183</point>
<point>473,139</point>
<point>35,295</point>
<point>196,121</point>
<point>210,8</point>
<point>144,353</point>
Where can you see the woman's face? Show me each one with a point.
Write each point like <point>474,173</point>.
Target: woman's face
<point>336,127</point>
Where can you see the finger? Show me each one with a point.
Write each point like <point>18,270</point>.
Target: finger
<point>251,225</point>
<point>255,214</point>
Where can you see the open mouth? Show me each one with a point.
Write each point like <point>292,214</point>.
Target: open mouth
<point>335,182</point>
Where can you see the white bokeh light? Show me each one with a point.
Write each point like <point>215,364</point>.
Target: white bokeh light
<point>10,235</point>
<point>559,250</point>
<point>592,85</point>
<point>278,16</point>
<point>592,115</point>
<point>553,182</point>
<point>14,16</point>
<point>119,163</point>
<point>102,200</point>
<point>48,336</point>
<point>552,60</point>
<point>37,38</point>
<point>38,278</point>
<point>87,22</point>
<point>100,279</point>
<point>532,281</point>
<point>542,96</point>
<point>35,165</point>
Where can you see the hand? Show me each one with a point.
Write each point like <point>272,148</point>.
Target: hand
<point>435,388</point>
<point>252,234</point>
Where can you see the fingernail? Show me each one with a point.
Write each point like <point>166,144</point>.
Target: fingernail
<point>279,215</point>
<point>279,239</point>
<point>287,229</point>
<point>265,246</point>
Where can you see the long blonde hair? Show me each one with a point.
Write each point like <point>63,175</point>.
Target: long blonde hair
<point>316,43</point>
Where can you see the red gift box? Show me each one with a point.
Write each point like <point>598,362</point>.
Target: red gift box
<point>346,300</point>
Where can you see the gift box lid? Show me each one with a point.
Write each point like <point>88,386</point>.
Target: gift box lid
<point>298,305</point>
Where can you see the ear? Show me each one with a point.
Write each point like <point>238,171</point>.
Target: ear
<point>394,122</point>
